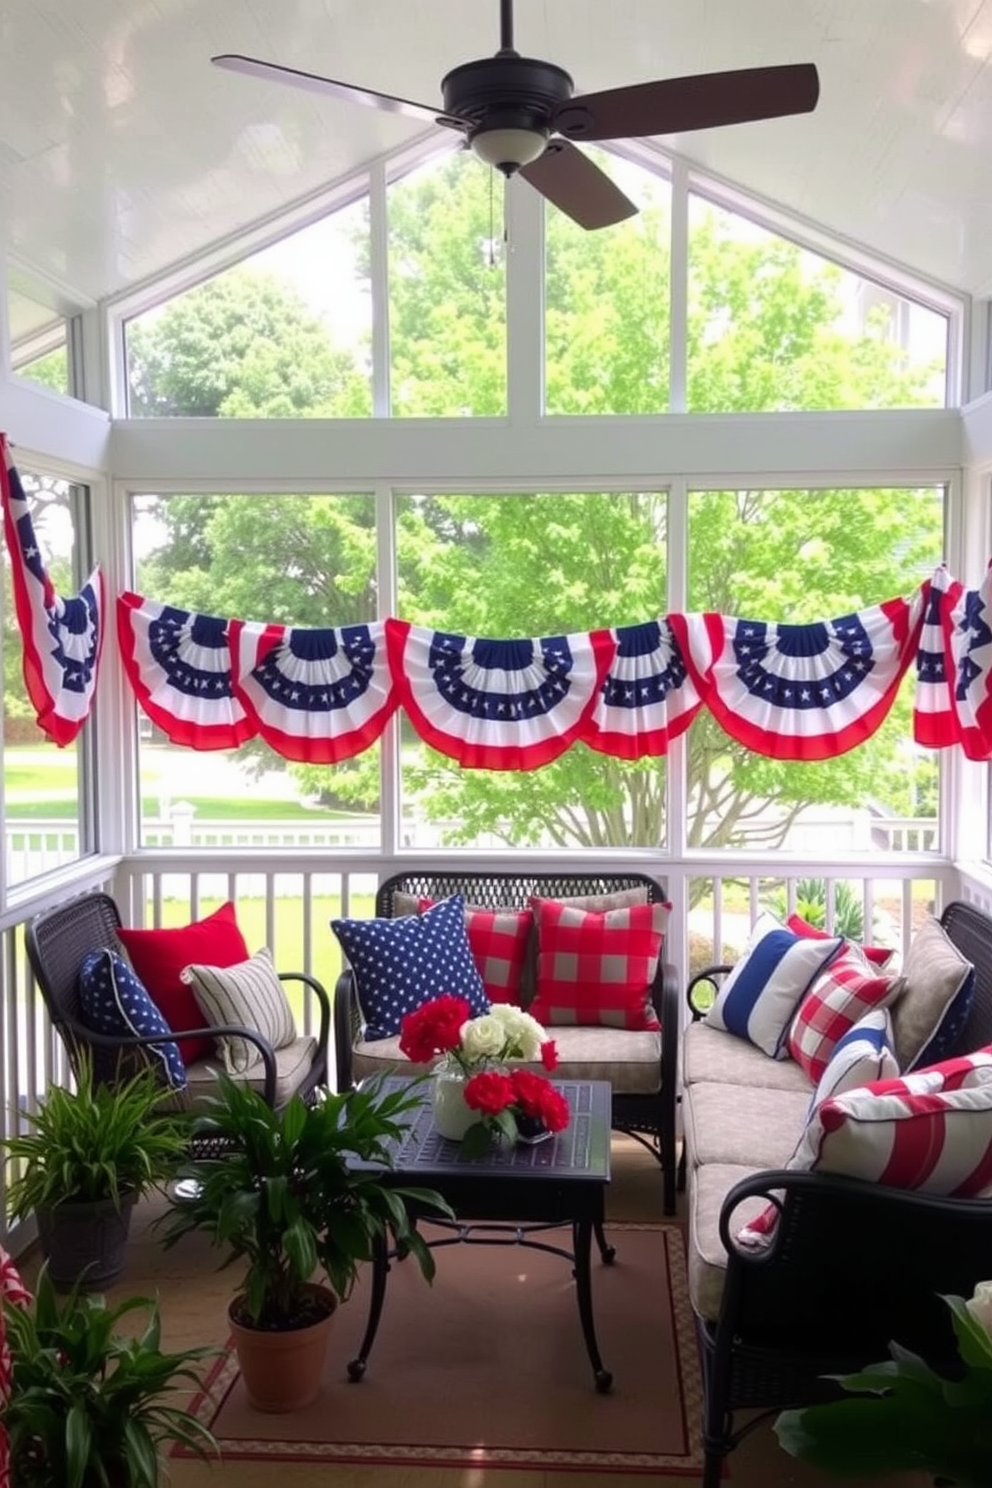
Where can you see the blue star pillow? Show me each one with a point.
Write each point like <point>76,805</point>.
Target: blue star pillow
<point>114,1001</point>
<point>401,964</point>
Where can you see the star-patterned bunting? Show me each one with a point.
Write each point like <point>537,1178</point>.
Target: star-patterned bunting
<point>62,638</point>
<point>648,698</point>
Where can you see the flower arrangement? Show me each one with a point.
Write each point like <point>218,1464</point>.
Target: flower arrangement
<point>903,1415</point>
<point>478,1048</point>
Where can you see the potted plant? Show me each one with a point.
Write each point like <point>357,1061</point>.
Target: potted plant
<point>91,1153</point>
<point>284,1195</point>
<point>87,1406</point>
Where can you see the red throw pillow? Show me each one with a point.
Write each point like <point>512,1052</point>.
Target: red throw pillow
<point>596,970</point>
<point>159,956</point>
<point>498,940</point>
<point>877,954</point>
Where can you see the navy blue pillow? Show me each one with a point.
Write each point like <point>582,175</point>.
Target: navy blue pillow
<point>114,1001</point>
<point>401,964</point>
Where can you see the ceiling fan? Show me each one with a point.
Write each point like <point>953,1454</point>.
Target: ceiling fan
<point>520,114</point>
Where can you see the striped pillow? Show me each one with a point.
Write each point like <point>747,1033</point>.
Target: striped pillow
<point>759,997</point>
<point>839,998</point>
<point>249,994</point>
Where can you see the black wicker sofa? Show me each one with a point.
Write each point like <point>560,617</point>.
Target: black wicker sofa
<point>853,1264</point>
<point>642,1067</point>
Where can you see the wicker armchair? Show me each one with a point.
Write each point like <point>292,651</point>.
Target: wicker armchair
<point>57,941</point>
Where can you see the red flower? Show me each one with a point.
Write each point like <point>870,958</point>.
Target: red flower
<point>489,1092</point>
<point>537,1097</point>
<point>549,1055</point>
<point>435,1028</point>
<point>554,1109</point>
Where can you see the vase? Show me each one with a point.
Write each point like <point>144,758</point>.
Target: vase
<point>452,1117</point>
<point>531,1130</point>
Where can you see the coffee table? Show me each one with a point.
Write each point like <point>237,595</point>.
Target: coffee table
<point>510,1196</point>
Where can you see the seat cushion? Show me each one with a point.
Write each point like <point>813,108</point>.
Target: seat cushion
<point>159,956</point>
<point>710,1054</point>
<point>249,994</point>
<point>630,1061</point>
<point>401,963</point>
<point>743,1124</point>
<point>707,1260</point>
<point>293,1065</point>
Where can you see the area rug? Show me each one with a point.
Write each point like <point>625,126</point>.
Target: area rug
<point>487,1368</point>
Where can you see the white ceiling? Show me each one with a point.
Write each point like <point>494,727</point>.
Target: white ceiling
<point>123,151</point>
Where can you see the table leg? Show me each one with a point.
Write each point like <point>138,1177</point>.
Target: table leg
<point>380,1270</point>
<point>582,1245</point>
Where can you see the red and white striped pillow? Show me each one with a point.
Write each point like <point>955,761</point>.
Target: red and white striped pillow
<point>842,993</point>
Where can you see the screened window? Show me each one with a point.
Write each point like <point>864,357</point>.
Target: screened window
<point>531,566</point>
<point>804,556</point>
<point>607,299</point>
<point>773,326</point>
<point>284,334</point>
<point>47,818</point>
<point>306,561</point>
<point>447,290</point>
<point>38,341</point>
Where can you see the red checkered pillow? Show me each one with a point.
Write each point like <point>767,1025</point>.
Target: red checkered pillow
<point>879,955</point>
<point>596,970</point>
<point>840,996</point>
<point>498,940</point>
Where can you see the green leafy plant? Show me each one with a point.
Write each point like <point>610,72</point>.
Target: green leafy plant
<point>811,903</point>
<point>94,1142</point>
<point>904,1416</point>
<point>285,1196</point>
<point>87,1407</point>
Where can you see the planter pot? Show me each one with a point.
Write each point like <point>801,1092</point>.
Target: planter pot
<point>452,1117</point>
<point>283,1371</point>
<point>85,1243</point>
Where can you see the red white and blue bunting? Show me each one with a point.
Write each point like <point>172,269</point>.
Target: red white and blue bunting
<point>802,692</point>
<point>968,630</point>
<point>179,664</point>
<point>62,638</point>
<point>498,705</point>
<point>316,696</point>
<point>648,698</point>
<point>935,720</point>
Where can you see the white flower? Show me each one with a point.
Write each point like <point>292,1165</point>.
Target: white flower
<point>523,1034</point>
<point>980,1305</point>
<point>482,1038</point>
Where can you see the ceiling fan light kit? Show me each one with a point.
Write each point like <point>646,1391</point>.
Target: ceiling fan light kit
<point>519,114</point>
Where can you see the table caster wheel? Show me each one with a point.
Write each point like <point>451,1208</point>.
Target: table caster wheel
<point>604,1381</point>
<point>356,1370</point>
<point>609,1255</point>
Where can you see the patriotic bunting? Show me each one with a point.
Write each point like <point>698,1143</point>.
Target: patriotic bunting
<point>498,705</point>
<point>179,664</point>
<point>317,696</point>
<point>935,722</point>
<point>648,698</point>
<point>62,638</point>
<point>805,692</point>
<point>969,637</point>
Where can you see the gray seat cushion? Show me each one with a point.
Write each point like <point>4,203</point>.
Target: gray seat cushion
<point>293,1064</point>
<point>711,1054</point>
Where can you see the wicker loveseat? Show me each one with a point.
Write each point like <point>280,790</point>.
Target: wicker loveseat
<point>853,1264</point>
<point>642,1067</point>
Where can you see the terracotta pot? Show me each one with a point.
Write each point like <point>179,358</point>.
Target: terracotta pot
<point>283,1371</point>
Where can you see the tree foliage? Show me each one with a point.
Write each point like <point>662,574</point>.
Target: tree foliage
<point>765,332</point>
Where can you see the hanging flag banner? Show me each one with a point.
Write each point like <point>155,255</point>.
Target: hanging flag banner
<point>498,705</point>
<point>62,638</point>
<point>179,665</point>
<point>316,696</point>
<point>648,698</point>
<point>968,632</point>
<point>804,692</point>
<point>935,719</point>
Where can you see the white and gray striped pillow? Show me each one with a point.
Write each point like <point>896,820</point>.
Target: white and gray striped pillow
<point>249,993</point>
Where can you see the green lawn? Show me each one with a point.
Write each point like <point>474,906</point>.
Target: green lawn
<point>208,808</point>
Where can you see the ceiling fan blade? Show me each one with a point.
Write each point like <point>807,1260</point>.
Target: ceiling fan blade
<point>704,101</point>
<point>577,186</point>
<point>312,81</point>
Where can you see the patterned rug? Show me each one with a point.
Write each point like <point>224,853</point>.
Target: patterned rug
<point>487,1367</point>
